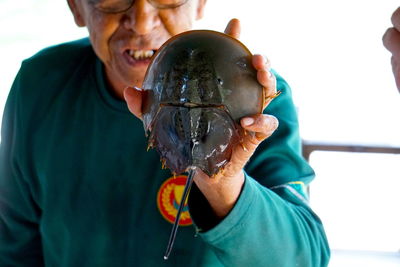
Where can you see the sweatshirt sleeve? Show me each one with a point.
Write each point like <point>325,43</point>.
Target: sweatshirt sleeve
<point>266,229</point>
<point>271,224</point>
<point>20,243</point>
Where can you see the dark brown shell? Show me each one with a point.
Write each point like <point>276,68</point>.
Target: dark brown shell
<point>198,86</point>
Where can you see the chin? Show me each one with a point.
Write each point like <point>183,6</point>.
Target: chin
<point>132,78</point>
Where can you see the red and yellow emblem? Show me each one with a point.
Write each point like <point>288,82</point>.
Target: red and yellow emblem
<point>169,197</point>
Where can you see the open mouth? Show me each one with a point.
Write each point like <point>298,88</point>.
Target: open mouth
<point>140,54</point>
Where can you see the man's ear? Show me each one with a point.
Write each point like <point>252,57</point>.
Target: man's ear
<point>200,9</point>
<point>76,10</point>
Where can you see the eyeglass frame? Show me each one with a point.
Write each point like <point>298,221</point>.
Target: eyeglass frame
<point>151,2</point>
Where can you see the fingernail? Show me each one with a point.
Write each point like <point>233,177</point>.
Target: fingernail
<point>275,122</point>
<point>247,121</point>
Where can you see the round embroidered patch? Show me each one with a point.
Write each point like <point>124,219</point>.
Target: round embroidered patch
<point>169,197</point>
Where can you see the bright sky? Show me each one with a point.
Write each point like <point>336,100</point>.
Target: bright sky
<point>331,54</point>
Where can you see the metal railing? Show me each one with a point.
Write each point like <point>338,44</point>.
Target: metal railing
<point>311,146</point>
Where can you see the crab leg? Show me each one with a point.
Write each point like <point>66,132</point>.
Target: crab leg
<point>172,236</point>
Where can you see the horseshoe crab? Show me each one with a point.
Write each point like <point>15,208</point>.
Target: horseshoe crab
<point>197,87</point>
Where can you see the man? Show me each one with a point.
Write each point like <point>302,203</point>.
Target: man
<point>391,40</point>
<point>78,189</point>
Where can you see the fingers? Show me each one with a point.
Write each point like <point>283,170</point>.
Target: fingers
<point>391,40</point>
<point>396,70</point>
<point>261,62</point>
<point>396,19</point>
<point>265,77</point>
<point>133,98</point>
<point>262,125</point>
<point>233,28</point>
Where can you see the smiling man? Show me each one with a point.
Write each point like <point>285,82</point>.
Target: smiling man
<point>77,187</point>
<point>125,34</point>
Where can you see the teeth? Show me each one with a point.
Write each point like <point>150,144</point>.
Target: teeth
<point>141,54</point>
<point>149,53</point>
<point>138,54</point>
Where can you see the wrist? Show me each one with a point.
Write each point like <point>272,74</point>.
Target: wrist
<point>221,192</point>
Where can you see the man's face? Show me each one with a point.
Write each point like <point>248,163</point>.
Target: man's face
<point>126,41</point>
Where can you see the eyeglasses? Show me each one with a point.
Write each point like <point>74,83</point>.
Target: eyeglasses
<point>118,6</point>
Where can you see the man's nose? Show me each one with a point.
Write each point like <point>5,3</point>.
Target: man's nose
<point>142,17</point>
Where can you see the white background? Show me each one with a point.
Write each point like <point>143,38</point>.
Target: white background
<point>332,55</point>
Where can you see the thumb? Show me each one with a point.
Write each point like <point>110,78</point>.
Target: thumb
<point>233,28</point>
<point>133,97</point>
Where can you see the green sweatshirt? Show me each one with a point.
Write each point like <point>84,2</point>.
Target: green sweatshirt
<point>77,187</point>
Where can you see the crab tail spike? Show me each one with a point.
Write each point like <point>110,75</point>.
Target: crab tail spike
<point>172,236</point>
